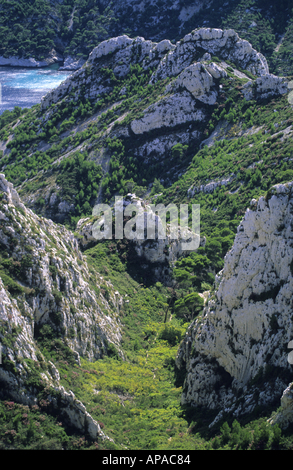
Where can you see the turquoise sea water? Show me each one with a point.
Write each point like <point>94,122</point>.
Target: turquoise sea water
<point>25,87</point>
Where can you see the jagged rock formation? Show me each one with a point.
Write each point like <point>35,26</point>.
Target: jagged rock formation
<point>160,253</point>
<point>238,349</point>
<point>72,63</point>
<point>265,87</point>
<point>31,62</point>
<point>284,416</point>
<point>45,280</point>
<point>177,109</point>
<point>169,61</point>
<point>210,187</point>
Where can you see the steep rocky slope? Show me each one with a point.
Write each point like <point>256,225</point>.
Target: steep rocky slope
<point>126,110</point>
<point>168,59</point>
<point>236,355</point>
<point>47,291</point>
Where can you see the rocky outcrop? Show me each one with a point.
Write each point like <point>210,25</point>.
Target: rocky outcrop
<point>209,187</point>
<point>224,44</point>
<point>180,108</point>
<point>233,351</point>
<point>158,254</point>
<point>31,62</point>
<point>60,275</point>
<point>15,371</point>
<point>265,87</point>
<point>45,281</point>
<point>284,415</point>
<point>72,63</point>
<point>198,81</point>
<point>18,62</point>
<point>188,77</point>
<point>11,195</point>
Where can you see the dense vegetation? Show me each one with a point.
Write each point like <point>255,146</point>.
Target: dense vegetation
<point>79,179</point>
<point>247,165</point>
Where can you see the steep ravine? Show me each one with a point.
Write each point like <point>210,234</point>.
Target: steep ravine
<point>46,287</point>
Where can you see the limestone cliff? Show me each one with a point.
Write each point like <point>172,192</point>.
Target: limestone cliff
<point>45,281</point>
<point>236,355</point>
<point>168,60</point>
<point>31,62</point>
<point>184,83</point>
<point>150,96</point>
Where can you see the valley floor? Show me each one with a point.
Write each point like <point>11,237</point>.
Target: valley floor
<point>137,400</point>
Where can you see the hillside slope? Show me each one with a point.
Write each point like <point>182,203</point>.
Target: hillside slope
<point>238,349</point>
<point>136,111</point>
<point>201,121</point>
<point>73,27</point>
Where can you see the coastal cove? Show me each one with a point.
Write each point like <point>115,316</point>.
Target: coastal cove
<point>24,86</point>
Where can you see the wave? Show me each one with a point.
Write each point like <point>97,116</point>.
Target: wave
<point>25,87</point>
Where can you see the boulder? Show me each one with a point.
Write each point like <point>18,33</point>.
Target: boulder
<point>177,109</point>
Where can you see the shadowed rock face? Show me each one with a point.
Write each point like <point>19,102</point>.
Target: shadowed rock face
<point>246,329</point>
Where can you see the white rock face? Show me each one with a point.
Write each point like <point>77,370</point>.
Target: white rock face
<point>215,70</point>
<point>72,63</point>
<point>248,326</point>
<point>210,187</point>
<point>198,81</point>
<point>110,46</point>
<point>17,62</point>
<point>14,61</point>
<point>24,347</point>
<point>163,46</point>
<point>226,44</point>
<point>285,416</point>
<point>169,112</point>
<point>161,250</point>
<point>168,60</point>
<point>11,195</point>
<point>162,145</point>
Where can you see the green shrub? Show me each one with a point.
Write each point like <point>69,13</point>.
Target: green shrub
<point>171,334</point>
<point>57,296</point>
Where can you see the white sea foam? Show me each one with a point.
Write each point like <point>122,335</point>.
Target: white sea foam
<point>25,87</point>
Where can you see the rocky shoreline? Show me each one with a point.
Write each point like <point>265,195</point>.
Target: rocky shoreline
<point>68,63</point>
